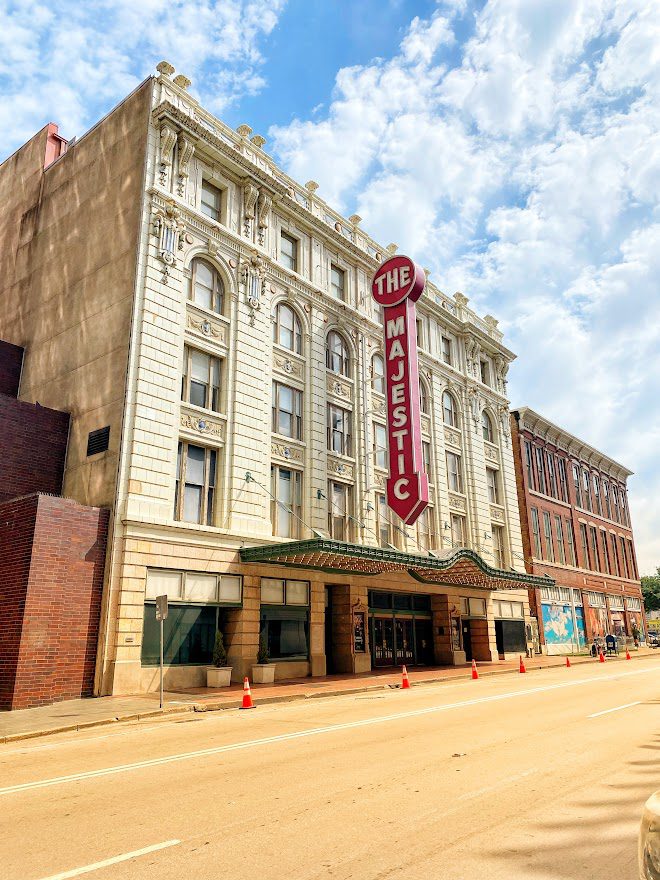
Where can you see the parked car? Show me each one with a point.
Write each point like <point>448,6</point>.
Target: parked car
<point>652,639</point>
<point>649,839</point>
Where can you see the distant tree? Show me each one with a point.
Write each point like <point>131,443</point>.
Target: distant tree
<point>651,590</point>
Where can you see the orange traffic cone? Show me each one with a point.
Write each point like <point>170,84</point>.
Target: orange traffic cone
<point>601,657</point>
<point>475,674</point>
<point>405,684</point>
<point>521,668</point>
<point>627,654</point>
<point>568,663</point>
<point>247,695</point>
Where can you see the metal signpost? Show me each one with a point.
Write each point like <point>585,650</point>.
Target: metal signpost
<point>397,286</point>
<point>161,615</point>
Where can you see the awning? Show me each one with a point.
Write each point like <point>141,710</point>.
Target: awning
<point>461,567</point>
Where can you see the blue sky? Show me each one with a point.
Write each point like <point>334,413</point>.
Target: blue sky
<point>512,146</point>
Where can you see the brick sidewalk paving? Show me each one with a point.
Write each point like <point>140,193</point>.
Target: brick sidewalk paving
<point>81,714</point>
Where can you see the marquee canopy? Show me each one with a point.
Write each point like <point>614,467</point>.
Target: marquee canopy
<point>460,567</point>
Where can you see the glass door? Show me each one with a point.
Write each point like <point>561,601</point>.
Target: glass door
<point>383,641</point>
<point>405,649</point>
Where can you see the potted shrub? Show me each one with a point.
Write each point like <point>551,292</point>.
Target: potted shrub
<point>219,675</point>
<point>264,671</point>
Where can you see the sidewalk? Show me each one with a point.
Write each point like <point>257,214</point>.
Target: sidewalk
<point>81,714</point>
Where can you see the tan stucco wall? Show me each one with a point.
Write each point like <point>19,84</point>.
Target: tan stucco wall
<point>67,277</point>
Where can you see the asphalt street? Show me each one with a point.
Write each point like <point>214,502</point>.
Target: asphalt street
<point>525,777</point>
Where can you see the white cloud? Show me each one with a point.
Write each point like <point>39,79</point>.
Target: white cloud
<point>69,62</point>
<point>527,175</point>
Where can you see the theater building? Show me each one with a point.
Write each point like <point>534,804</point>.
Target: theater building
<point>576,529</point>
<point>208,323</point>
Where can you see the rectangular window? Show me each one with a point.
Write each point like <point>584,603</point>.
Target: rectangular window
<point>624,557</point>
<point>598,507</point>
<point>633,561</point>
<point>493,491</point>
<point>540,469</point>
<point>473,607</point>
<point>337,283</point>
<point>454,474</point>
<point>289,251</point>
<point>380,446</point>
<point>560,540</point>
<point>195,484</point>
<point>552,478</point>
<point>426,530</point>
<point>201,379</point>
<point>576,484</point>
<point>287,411</point>
<point>563,482</point>
<point>498,546</point>
<point>445,345</point>
<point>536,532</point>
<point>484,372</point>
<point>593,534</point>
<point>286,630</point>
<point>426,458</point>
<point>211,201</point>
<point>584,540</point>
<point>420,332</point>
<point>625,519</point>
<point>547,531</point>
<point>383,526</point>
<point>339,430</point>
<point>586,485</point>
<point>458,531</point>
<point>615,503</point>
<point>340,507</point>
<point>531,482</point>
<point>189,633</point>
<point>616,565</point>
<point>570,537</point>
<point>605,555</point>
<point>286,503</point>
<point>606,500</point>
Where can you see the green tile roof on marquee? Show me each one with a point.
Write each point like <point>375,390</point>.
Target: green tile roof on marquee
<point>460,567</point>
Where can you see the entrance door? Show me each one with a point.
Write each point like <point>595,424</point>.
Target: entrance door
<point>329,666</point>
<point>467,639</point>
<point>383,641</point>
<point>424,643</point>
<point>405,648</point>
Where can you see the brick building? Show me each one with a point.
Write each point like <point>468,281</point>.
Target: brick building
<point>52,556</point>
<point>207,321</point>
<point>576,530</point>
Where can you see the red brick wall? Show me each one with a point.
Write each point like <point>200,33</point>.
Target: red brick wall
<point>33,442</point>
<point>11,362</point>
<point>52,556</point>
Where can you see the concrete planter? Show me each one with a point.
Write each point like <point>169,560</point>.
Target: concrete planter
<point>263,673</point>
<point>218,676</point>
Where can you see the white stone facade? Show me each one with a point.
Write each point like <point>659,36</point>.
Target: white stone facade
<point>258,203</point>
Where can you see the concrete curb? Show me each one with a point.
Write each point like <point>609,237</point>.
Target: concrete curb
<point>288,698</point>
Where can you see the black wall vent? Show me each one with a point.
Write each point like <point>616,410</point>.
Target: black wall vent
<point>98,441</point>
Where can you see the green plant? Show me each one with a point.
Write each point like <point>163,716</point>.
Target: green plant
<point>219,652</point>
<point>262,654</point>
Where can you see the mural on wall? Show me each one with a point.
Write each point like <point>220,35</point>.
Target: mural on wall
<point>559,628</point>
<point>597,620</point>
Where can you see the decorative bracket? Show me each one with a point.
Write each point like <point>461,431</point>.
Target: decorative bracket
<point>264,205</point>
<point>169,228</point>
<point>186,150</point>
<point>250,195</point>
<point>167,141</point>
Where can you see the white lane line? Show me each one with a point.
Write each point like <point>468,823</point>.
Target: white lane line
<point>86,869</point>
<point>490,788</point>
<point>615,709</point>
<point>315,731</point>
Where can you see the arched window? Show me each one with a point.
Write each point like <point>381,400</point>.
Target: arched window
<point>486,427</point>
<point>423,398</point>
<point>449,410</point>
<point>336,354</point>
<point>287,330</point>
<point>206,286</point>
<point>378,373</point>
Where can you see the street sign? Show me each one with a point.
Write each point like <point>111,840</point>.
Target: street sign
<point>161,608</point>
<point>397,285</point>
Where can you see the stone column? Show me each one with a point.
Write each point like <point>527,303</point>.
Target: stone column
<point>242,630</point>
<point>317,628</point>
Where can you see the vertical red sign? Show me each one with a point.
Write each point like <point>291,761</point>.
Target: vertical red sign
<point>397,286</point>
